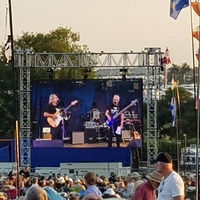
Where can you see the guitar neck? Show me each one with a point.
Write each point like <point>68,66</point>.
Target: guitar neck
<point>121,111</point>
<point>68,107</point>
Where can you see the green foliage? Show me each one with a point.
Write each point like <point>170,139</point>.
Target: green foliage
<point>60,40</point>
<point>185,113</point>
<point>182,73</point>
<point>7,102</point>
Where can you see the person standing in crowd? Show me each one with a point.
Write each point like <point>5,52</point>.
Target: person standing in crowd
<point>147,190</point>
<point>36,193</point>
<point>137,181</point>
<point>172,186</point>
<point>113,178</point>
<point>25,172</point>
<point>115,123</point>
<point>52,114</point>
<point>92,189</point>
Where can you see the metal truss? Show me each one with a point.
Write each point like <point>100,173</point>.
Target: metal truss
<point>149,59</point>
<point>89,60</point>
<point>23,60</point>
<point>153,72</point>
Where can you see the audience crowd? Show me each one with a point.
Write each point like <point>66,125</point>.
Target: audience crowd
<point>90,187</point>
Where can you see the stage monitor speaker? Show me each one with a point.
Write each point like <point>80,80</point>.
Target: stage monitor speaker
<point>90,135</point>
<point>77,137</point>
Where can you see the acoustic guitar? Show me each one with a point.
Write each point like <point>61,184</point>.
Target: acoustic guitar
<point>55,123</point>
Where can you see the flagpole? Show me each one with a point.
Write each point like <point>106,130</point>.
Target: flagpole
<point>15,74</point>
<point>15,87</point>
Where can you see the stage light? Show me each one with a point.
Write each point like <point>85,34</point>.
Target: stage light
<point>50,73</point>
<point>124,72</point>
<point>86,71</point>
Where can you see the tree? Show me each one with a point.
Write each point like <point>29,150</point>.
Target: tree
<point>60,40</point>
<point>185,114</point>
<point>7,102</point>
<point>179,73</point>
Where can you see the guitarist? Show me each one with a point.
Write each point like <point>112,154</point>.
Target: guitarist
<point>112,110</point>
<point>50,112</point>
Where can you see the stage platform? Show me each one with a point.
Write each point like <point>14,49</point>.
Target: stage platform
<point>51,153</point>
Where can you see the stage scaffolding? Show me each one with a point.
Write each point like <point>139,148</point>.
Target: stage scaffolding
<point>150,59</point>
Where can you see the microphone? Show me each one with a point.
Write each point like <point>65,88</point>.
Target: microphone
<point>61,103</point>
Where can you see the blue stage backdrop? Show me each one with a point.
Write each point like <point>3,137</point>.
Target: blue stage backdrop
<point>88,93</point>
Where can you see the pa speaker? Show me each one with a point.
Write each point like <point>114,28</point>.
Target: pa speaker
<point>90,136</point>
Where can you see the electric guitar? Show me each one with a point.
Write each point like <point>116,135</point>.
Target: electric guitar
<point>114,117</point>
<point>55,123</point>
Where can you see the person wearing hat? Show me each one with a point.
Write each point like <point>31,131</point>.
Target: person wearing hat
<point>77,186</point>
<point>147,190</point>
<point>172,186</point>
<point>137,180</point>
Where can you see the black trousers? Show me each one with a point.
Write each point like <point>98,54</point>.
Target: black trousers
<point>56,133</point>
<point>111,134</point>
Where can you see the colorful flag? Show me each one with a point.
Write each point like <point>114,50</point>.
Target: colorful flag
<point>166,58</point>
<point>173,111</point>
<point>173,84</point>
<point>176,6</point>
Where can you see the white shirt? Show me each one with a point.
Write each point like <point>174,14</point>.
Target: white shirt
<point>129,191</point>
<point>171,187</point>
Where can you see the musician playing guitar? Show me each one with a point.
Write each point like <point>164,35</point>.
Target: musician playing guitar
<point>53,115</point>
<point>116,125</point>
<point>50,112</point>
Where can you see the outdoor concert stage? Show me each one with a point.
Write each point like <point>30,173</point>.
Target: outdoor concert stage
<point>86,120</point>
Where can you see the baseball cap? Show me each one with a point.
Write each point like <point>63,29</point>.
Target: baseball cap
<point>163,157</point>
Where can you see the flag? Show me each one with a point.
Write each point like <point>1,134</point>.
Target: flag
<point>8,49</point>
<point>176,6</point>
<point>173,84</point>
<point>166,58</point>
<point>173,111</point>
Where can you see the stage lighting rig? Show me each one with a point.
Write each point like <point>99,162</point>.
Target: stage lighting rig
<point>124,73</point>
<point>50,73</point>
<point>86,71</point>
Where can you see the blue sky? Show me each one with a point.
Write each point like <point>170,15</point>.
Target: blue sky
<point>108,25</point>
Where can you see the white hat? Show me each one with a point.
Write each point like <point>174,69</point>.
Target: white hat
<point>99,180</point>
<point>70,179</point>
<point>135,175</point>
<point>110,191</point>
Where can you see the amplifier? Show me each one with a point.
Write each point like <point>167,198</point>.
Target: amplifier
<point>77,137</point>
<point>90,136</point>
<point>47,136</point>
<point>126,135</point>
